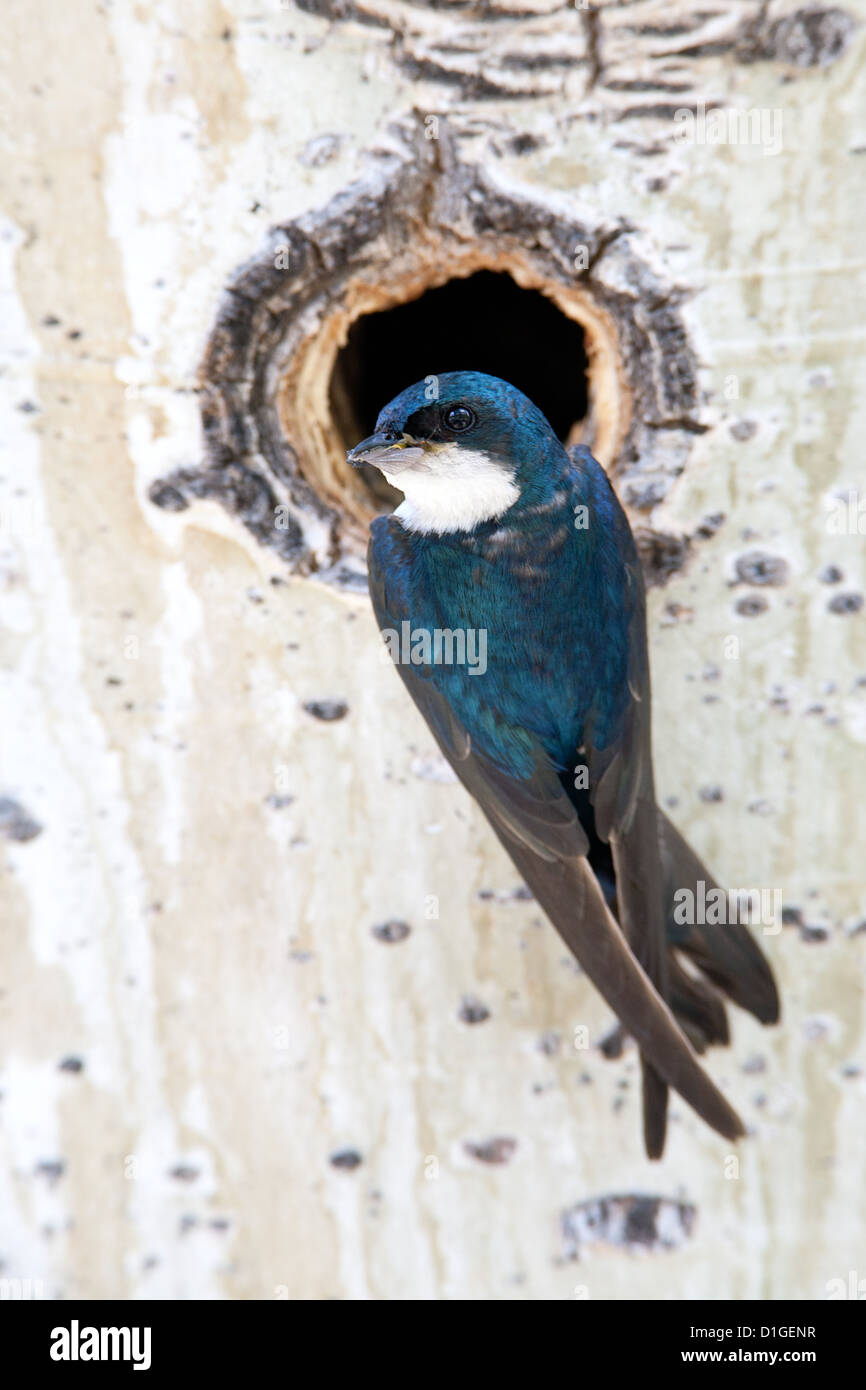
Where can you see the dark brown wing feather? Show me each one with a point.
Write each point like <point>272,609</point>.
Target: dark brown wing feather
<point>624,806</point>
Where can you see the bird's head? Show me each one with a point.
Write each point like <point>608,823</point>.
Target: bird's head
<point>462,447</point>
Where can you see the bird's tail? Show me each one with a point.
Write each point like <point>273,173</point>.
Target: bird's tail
<point>692,963</point>
<point>725,954</point>
<point>569,892</point>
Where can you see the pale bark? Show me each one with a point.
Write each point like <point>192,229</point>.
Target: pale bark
<point>194,863</point>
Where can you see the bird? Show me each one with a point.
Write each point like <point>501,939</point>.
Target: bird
<point>506,534</point>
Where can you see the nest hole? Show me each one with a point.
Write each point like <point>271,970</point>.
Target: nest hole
<point>485,323</point>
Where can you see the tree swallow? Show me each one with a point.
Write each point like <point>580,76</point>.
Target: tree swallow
<point>502,532</point>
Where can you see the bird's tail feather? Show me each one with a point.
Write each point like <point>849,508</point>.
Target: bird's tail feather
<point>697,1007</point>
<point>727,953</point>
<point>568,891</point>
<point>640,900</point>
<point>654,1104</point>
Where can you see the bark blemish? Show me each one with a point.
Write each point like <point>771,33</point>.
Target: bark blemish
<point>631,1221</point>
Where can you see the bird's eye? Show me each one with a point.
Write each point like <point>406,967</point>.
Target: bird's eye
<point>458,417</point>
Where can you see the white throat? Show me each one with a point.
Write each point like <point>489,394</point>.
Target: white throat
<point>461,489</point>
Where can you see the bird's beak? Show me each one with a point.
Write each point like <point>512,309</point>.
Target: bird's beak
<point>384,451</point>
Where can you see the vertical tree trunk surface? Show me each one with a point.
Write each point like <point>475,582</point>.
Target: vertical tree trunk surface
<point>277,1019</point>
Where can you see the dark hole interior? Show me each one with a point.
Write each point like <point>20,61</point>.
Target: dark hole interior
<point>485,323</point>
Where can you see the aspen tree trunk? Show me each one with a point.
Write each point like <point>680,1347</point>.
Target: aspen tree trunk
<point>277,1019</point>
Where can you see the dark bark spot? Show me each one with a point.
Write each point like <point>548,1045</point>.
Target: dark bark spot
<point>329,711</point>
<point>473,1011</point>
<point>845,603</point>
<point>15,822</point>
<point>494,1151</point>
<point>751,605</point>
<point>392,932</point>
<point>758,567</point>
<point>661,554</point>
<point>346,1159</point>
<point>184,1172</point>
<point>831,574</point>
<point>811,37</point>
<point>633,1221</point>
<point>741,430</point>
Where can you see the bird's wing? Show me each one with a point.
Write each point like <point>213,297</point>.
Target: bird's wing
<point>727,955</point>
<point>539,828</point>
<point>651,862</point>
<point>622,793</point>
